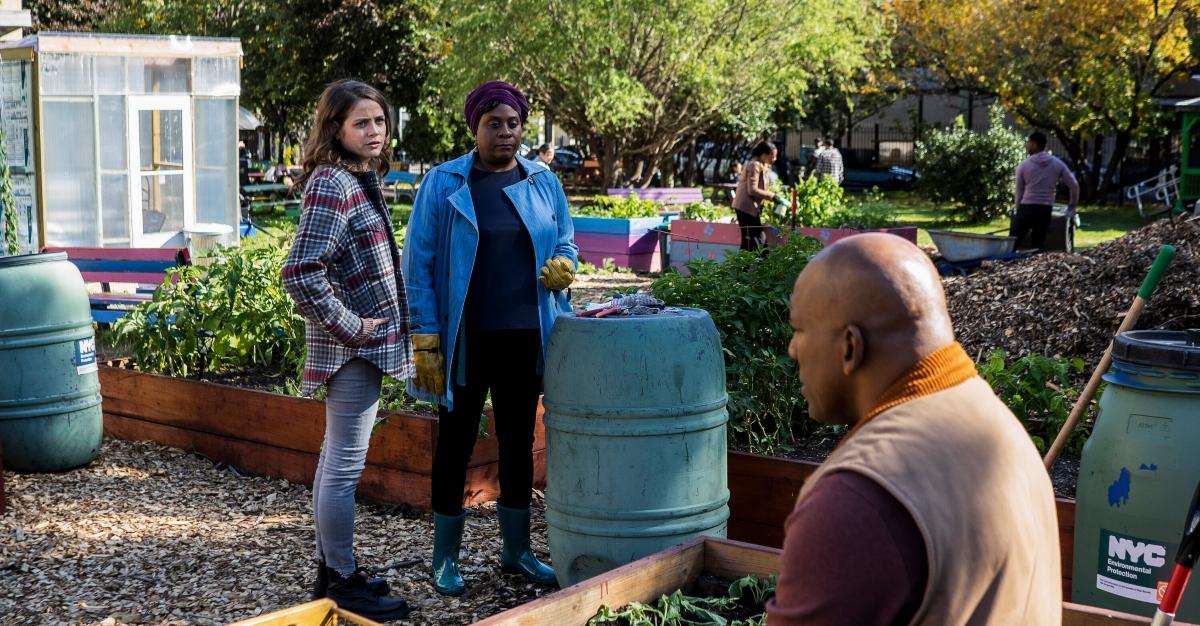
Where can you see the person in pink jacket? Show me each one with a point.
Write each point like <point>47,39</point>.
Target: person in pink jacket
<point>1037,180</point>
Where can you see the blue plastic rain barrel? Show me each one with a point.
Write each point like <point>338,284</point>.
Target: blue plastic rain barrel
<point>635,438</point>
<point>50,417</point>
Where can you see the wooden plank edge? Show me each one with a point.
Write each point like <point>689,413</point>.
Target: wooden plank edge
<point>734,559</point>
<point>640,581</point>
<point>1082,615</point>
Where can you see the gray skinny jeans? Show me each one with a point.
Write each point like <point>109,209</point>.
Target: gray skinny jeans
<point>350,410</point>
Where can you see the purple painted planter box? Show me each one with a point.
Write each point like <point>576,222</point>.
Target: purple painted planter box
<point>631,243</point>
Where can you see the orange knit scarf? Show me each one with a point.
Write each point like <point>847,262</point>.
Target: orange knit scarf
<point>944,368</point>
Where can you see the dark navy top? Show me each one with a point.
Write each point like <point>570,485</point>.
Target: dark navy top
<point>503,291</point>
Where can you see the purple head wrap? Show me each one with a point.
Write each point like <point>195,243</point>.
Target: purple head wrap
<point>494,91</point>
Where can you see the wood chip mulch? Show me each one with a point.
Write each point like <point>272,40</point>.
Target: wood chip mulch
<point>1070,305</point>
<point>148,534</point>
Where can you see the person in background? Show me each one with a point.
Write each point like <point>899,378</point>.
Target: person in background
<point>341,273</point>
<point>753,190</point>
<point>829,161</point>
<point>1037,180</point>
<point>783,166</point>
<point>543,155</point>
<point>489,254</point>
<point>935,507</point>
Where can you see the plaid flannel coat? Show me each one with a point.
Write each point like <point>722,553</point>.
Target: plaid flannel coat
<point>343,267</point>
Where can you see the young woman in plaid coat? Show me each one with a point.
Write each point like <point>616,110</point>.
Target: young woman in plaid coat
<point>342,272</point>
<point>489,253</point>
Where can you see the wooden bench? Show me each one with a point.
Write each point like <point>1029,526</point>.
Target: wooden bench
<point>665,195</point>
<point>140,266</point>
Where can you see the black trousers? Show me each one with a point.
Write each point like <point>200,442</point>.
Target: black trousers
<point>1034,220</point>
<point>752,230</point>
<point>504,362</point>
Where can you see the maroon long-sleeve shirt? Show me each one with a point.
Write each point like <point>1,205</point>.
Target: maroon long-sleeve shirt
<point>852,555</point>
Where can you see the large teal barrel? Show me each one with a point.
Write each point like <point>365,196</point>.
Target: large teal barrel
<point>1138,473</point>
<point>635,438</point>
<point>50,416</point>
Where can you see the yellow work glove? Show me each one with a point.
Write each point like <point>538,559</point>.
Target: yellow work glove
<point>557,274</point>
<point>431,367</point>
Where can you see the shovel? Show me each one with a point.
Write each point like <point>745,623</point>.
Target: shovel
<point>1184,561</point>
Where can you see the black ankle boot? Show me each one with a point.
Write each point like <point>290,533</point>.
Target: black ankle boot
<point>321,587</point>
<point>355,595</point>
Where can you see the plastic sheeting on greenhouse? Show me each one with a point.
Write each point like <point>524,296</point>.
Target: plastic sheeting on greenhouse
<point>120,140</point>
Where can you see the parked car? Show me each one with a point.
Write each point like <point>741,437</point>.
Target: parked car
<point>566,159</point>
<point>892,178</point>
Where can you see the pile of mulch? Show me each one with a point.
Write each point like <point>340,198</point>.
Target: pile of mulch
<point>1070,305</point>
<point>153,535</point>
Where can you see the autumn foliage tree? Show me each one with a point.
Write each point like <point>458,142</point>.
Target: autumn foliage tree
<point>1081,69</point>
<point>642,78</point>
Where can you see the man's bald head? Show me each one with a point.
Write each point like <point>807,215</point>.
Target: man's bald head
<point>863,312</point>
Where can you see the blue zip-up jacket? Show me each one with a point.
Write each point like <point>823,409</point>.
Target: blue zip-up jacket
<point>440,246</point>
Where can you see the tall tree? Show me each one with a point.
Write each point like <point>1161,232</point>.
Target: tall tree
<point>293,48</point>
<point>1082,69</point>
<point>74,16</point>
<point>641,78</point>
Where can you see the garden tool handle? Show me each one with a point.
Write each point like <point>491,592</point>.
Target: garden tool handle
<point>1165,255</point>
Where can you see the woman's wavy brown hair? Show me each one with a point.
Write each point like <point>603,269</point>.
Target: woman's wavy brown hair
<point>323,147</point>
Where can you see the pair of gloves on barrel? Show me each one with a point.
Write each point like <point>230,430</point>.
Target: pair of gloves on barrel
<point>557,274</point>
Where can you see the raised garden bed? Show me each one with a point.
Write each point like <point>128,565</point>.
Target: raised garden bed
<point>631,243</point>
<point>691,239</point>
<point>763,491</point>
<point>679,567</point>
<point>275,435</point>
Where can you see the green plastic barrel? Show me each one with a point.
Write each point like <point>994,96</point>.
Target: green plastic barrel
<point>50,416</point>
<point>635,438</point>
<point>1138,472</point>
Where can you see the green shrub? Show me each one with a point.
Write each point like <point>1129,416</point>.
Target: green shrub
<point>705,211</point>
<point>1037,389</point>
<point>747,297</point>
<point>974,172</point>
<point>618,207</point>
<point>230,316</point>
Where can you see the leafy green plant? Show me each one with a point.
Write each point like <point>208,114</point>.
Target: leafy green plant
<point>747,296</point>
<point>231,315</point>
<point>1037,389</point>
<point>973,172</point>
<point>678,609</point>
<point>618,207</point>
<point>12,241</point>
<point>607,266</point>
<point>705,211</point>
<point>818,200</point>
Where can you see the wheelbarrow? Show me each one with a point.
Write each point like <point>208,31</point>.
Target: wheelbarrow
<point>955,246</point>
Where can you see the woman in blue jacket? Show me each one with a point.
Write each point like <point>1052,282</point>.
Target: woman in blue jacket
<point>490,249</point>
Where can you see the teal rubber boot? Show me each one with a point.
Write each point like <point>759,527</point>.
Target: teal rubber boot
<point>447,540</point>
<point>517,558</point>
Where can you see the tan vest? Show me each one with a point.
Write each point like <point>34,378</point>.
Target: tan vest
<point>962,465</point>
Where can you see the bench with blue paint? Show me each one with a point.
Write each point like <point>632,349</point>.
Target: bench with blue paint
<point>402,185</point>
<point>663,195</point>
<point>144,268</point>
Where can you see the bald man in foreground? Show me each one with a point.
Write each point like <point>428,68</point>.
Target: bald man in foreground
<point>935,508</point>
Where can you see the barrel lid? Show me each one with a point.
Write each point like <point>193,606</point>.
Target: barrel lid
<point>28,259</point>
<point>1175,349</point>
